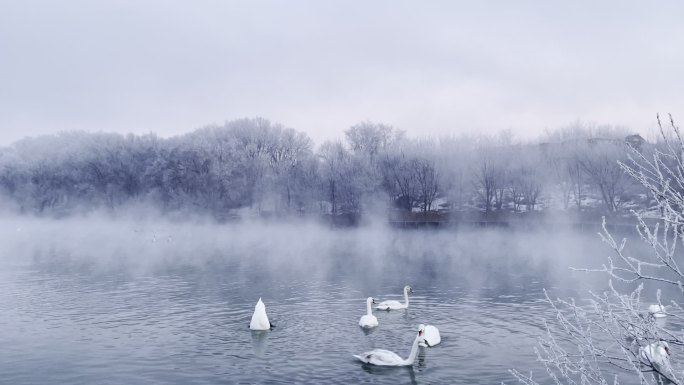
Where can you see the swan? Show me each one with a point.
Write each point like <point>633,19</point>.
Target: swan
<point>394,305</point>
<point>383,357</point>
<point>657,355</point>
<point>431,336</point>
<point>259,318</point>
<point>368,320</point>
<point>657,310</point>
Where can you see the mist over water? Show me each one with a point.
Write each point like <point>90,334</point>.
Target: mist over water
<point>144,300</point>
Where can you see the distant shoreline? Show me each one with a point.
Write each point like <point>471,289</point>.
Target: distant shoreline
<point>583,221</point>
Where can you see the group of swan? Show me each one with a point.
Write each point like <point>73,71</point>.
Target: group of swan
<point>428,336</point>
<point>370,321</point>
<point>656,354</point>
<point>382,357</point>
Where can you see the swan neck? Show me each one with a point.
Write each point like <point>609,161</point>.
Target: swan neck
<point>406,297</point>
<point>369,311</point>
<point>414,352</point>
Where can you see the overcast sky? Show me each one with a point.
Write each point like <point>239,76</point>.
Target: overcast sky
<point>427,67</point>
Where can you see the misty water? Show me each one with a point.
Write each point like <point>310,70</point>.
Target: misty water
<point>141,301</point>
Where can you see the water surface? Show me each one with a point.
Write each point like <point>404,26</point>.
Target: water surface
<point>167,312</point>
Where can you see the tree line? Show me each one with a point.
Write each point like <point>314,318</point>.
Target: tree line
<point>259,167</point>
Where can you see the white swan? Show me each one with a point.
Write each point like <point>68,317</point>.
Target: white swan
<point>657,310</point>
<point>394,305</point>
<point>431,336</point>
<point>368,320</point>
<point>383,357</point>
<point>259,318</point>
<point>657,355</point>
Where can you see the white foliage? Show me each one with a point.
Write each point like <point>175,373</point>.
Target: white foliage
<point>608,335</point>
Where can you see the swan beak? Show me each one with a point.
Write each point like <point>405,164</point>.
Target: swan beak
<point>668,351</point>
<point>373,300</point>
<point>427,343</point>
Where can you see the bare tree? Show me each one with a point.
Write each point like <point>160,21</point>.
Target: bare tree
<point>427,178</point>
<point>490,177</point>
<point>600,160</point>
<point>400,179</point>
<point>485,182</point>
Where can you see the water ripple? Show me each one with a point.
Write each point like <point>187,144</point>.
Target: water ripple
<point>190,326</point>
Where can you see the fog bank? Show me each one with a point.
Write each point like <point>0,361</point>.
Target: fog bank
<point>309,250</point>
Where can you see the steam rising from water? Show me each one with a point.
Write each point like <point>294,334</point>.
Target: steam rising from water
<point>145,245</point>
<point>82,294</point>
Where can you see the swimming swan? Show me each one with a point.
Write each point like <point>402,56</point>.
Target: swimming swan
<point>430,335</point>
<point>368,320</point>
<point>394,305</point>
<point>383,357</point>
<point>657,355</point>
<point>657,310</point>
<point>259,318</point>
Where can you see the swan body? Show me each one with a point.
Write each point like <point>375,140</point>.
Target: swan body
<point>657,310</point>
<point>368,320</point>
<point>382,357</point>
<point>657,355</point>
<point>259,318</point>
<point>396,305</point>
<point>431,336</point>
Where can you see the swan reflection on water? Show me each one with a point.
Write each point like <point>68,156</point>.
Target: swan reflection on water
<point>368,331</point>
<point>259,342</point>
<point>390,371</point>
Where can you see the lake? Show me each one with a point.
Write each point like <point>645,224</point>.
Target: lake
<point>137,302</point>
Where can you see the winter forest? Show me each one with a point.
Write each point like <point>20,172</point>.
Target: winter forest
<point>257,168</point>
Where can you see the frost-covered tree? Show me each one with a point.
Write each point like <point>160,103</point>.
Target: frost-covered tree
<point>334,159</point>
<point>525,176</point>
<point>259,167</point>
<point>612,335</point>
<point>370,139</point>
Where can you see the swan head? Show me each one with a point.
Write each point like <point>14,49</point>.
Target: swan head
<point>408,290</point>
<point>370,300</point>
<point>421,334</point>
<point>662,344</point>
<point>422,341</point>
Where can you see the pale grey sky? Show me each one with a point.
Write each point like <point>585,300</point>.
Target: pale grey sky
<point>428,67</point>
